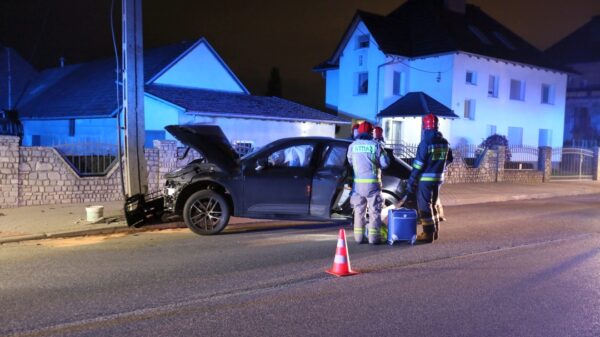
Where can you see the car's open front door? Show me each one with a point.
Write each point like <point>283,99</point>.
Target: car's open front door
<point>328,181</point>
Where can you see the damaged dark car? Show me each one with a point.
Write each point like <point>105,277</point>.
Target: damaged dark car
<point>304,178</point>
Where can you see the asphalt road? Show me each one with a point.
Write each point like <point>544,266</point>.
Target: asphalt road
<point>527,268</point>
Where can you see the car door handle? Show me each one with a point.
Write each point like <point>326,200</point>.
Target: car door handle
<point>295,177</point>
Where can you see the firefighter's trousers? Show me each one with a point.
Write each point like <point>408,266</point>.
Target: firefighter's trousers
<point>427,198</point>
<point>367,196</point>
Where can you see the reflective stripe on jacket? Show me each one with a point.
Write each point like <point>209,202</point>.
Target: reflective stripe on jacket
<point>367,157</point>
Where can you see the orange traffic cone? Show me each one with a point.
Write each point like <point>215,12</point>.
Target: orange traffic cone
<point>341,262</point>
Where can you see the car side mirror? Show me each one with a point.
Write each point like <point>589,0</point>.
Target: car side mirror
<point>261,164</point>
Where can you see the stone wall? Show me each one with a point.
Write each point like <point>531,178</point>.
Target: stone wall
<point>459,172</point>
<point>40,175</point>
<point>9,170</point>
<point>523,176</point>
<point>45,178</point>
<point>491,169</point>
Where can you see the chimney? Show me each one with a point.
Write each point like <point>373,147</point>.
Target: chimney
<point>61,60</point>
<point>457,6</point>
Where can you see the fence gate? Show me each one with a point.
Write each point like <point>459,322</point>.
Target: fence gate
<point>572,163</point>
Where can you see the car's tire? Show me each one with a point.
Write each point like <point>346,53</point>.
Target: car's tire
<point>389,199</point>
<point>206,212</point>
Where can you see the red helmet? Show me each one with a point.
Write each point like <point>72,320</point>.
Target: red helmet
<point>365,127</point>
<point>378,132</point>
<point>430,122</point>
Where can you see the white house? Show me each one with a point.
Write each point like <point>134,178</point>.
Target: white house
<point>491,78</point>
<point>185,83</point>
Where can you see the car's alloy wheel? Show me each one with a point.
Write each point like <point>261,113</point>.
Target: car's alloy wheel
<point>206,212</point>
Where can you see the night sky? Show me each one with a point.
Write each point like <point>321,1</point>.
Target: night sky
<point>251,36</point>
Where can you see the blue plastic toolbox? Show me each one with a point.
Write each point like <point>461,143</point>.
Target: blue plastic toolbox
<point>402,225</point>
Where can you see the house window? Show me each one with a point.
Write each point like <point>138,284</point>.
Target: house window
<point>362,83</point>
<point>397,83</point>
<point>71,127</point>
<point>360,60</point>
<point>515,136</point>
<point>517,90</point>
<point>469,109</point>
<point>545,137</point>
<point>362,41</point>
<point>396,133</point>
<point>471,78</point>
<point>490,130</point>
<point>493,86</point>
<point>547,94</point>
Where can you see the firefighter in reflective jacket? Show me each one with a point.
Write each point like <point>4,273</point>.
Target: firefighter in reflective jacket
<point>367,158</point>
<point>427,175</point>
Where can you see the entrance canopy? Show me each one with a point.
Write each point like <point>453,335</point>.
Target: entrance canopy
<point>417,104</point>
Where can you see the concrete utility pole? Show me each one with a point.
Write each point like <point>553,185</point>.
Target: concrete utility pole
<point>136,180</point>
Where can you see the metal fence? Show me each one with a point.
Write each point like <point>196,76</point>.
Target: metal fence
<point>572,163</point>
<point>89,159</point>
<point>404,150</point>
<point>521,158</point>
<point>243,147</point>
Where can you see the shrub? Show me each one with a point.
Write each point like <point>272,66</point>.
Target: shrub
<point>493,141</point>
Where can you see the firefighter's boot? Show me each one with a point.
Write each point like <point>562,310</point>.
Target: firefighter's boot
<point>359,234</point>
<point>427,236</point>
<point>374,235</point>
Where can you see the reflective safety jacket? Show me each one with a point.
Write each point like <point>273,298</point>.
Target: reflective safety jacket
<point>366,157</point>
<point>433,154</point>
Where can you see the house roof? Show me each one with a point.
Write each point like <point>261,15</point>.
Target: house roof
<point>87,90</point>
<point>21,74</point>
<point>419,28</point>
<point>417,104</point>
<point>229,104</point>
<point>581,46</point>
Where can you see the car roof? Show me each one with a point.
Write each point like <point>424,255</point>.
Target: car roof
<point>316,139</point>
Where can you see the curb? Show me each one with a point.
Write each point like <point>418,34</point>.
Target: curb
<point>87,232</point>
<point>516,197</point>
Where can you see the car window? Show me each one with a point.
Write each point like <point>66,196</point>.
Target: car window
<point>293,156</point>
<point>335,156</point>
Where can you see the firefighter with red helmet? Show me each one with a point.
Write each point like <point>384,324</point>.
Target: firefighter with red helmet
<point>378,134</point>
<point>354,132</point>
<point>433,154</point>
<point>367,158</point>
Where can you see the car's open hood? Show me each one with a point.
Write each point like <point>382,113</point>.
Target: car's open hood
<point>210,141</point>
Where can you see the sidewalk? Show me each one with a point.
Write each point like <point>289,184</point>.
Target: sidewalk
<point>53,221</point>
